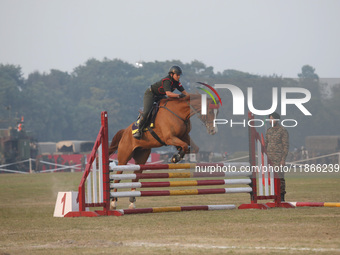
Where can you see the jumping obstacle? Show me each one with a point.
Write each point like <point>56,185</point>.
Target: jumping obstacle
<point>95,189</point>
<point>173,175</point>
<point>174,209</point>
<point>135,185</point>
<point>314,204</point>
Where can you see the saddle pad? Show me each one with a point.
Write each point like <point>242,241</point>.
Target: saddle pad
<point>150,119</point>
<point>135,126</point>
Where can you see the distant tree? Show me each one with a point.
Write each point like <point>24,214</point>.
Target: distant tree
<point>308,72</point>
<point>62,106</point>
<point>11,87</point>
<point>310,80</point>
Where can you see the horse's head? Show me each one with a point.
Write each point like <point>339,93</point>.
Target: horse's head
<point>209,118</point>
<point>211,114</point>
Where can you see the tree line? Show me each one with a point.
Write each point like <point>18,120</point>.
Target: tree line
<point>66,106</point>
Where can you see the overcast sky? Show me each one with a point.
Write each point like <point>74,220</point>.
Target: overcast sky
<point>257,36</point>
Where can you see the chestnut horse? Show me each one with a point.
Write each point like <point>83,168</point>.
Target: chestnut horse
<point>172,125</point>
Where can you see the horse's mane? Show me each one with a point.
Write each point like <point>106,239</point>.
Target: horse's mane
<point>187,98</point>
<point>193,98</point>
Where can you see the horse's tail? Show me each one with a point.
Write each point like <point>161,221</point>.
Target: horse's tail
<point>115,141</point>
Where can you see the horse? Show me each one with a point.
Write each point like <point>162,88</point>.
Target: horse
<point>172,126</point>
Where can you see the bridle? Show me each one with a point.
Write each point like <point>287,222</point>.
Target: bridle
<point>203,118</point>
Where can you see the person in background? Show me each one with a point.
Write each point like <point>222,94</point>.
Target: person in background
<point>277,146</point>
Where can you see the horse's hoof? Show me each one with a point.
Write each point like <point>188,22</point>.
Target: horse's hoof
<point>113,205</point>
<point>175,158</point>
<point>132,206</point>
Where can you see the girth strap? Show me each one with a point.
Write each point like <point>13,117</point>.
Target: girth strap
<point>186,121</point>
<point>156,136</point>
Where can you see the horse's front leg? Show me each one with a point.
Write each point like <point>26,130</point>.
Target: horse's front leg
<point>183,148</point>
<point>193,147</point>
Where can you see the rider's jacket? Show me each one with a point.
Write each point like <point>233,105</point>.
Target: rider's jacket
<point>166,84</point>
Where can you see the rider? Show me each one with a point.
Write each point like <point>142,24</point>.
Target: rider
<point>159,90</point>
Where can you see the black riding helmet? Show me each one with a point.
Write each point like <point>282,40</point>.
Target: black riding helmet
<point>175,69</point>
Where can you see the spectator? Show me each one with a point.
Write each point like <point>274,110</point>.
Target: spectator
<point>277,145</point>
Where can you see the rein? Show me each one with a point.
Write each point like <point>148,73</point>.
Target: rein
<point>192,113</point>
<point>184,120</point>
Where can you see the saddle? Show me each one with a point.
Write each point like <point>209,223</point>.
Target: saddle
<point>150,119</point>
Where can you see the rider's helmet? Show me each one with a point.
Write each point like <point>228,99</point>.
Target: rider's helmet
<point>175,69</point>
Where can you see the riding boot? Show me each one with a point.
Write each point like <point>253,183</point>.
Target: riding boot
<point>139,132</point>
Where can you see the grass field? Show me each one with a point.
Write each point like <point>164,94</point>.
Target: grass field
<point>27,225</point>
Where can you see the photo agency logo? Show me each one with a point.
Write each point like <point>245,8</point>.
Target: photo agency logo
<point>204,98</point>
<point>288,96</point>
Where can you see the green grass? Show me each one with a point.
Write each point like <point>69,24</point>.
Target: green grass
<point>27,225</point>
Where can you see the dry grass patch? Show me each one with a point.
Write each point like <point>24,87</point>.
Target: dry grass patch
<point>28,227</point>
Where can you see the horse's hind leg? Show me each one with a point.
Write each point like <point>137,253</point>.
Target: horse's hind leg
<point>140,156</point>
<point>113,204</point>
